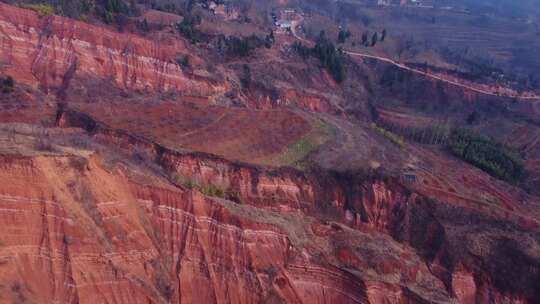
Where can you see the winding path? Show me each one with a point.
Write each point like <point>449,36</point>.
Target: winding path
<point>296,23</point>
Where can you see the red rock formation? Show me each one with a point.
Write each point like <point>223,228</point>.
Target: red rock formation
<point>50,51</point>
<point>432,229</point>
<point>74,232</point>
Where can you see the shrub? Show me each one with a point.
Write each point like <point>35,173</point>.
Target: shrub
<point>7,84</point>
<point>206,189</point>
<point>212,190</point>
<point>188,28</point>
<point>183,61</point>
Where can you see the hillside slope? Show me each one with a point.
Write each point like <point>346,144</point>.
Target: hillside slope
<point>130,177</point>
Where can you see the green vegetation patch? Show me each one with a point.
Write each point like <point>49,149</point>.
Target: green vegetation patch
<point>188,28</point>
<point>245,46</point>
<point>110,11</point>
<point>396,139</point>
<point>41,8</point>
<point>320,133</point>
<point>206,189</point>
<point>330,58</point>
<point>486,154</point>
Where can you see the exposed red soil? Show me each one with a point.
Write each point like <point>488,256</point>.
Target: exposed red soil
<point>235,133</point>
<point>404,120</point>
<point>49,51</point>
<point>25,107</point>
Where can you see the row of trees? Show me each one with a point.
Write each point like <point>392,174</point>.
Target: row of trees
<point>244,46</point>
<point>366,40</point>
<point>374,38</point>
<point>480,151</point>
<point>435,134</point>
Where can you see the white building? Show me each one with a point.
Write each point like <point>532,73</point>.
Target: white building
<point>284,24</point>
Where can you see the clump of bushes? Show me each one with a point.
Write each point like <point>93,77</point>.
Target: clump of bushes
<point>206,189</point>
<point>486,154</point>
<point>186,182</point>
<point>44,143</point>
<point>212,190</point>
<point>112,10</point>
<point>7,84</point>
<point>243,46</point>
<point>188,28</point>
<point>302,50</point>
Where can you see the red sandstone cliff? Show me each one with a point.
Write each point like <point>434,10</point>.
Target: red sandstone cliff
<point>79,229</point>
<point>75,232</point>
<point>50,51</point>
<point>449,239</point>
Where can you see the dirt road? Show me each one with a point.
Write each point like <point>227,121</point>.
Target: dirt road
<point>297,23</point>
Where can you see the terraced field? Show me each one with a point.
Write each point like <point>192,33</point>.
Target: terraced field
<point>254,136</point>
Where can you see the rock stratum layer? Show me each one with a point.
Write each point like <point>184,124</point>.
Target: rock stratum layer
<point>50,51</point>
<point>74,232</point>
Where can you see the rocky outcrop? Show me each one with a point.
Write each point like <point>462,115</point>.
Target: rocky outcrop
<point>50,51</point>
<point>77,233</point>
<point>459,245</point>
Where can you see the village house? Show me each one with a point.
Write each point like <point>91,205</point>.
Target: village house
<point>284,24</point>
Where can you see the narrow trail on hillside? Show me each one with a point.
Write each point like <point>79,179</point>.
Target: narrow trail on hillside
<point>206,127</point>
<point>437,77</point>
<point>296,23</point>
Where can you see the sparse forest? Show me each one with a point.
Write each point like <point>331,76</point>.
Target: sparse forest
<point>329,57</point>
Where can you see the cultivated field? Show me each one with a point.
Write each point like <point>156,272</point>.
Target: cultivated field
<point>254,136</point>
